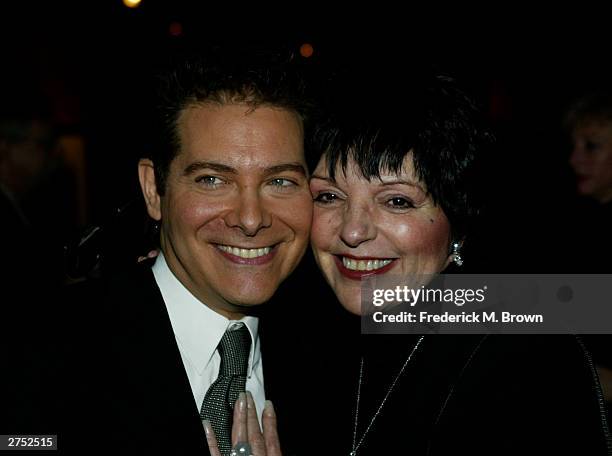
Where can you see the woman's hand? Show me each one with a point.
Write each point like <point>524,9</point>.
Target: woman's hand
<point>245,430</point>
<point>151,254</point>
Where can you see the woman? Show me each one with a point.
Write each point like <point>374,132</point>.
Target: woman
<point>395,197</point>
<point>589,121</point>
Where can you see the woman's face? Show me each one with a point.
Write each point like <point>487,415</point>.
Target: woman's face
<point>363,228</point>
<point>592,160</point>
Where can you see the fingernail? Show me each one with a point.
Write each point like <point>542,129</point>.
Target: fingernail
<point>269,408</point>
<point>242,402</point>
<point>250,401</point>
<point>207,427</point>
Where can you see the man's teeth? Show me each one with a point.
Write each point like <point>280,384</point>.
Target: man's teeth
<point>364,265</point>
<point>245,253</point>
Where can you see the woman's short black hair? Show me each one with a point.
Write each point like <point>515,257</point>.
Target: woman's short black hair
<point>377,121</point>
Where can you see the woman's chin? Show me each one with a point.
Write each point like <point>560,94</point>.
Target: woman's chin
<point>352,306</point>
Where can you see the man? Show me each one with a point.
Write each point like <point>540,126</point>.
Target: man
<point>228,187</point>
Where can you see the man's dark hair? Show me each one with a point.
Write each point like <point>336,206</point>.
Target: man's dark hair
<point>222,76</point>
<point>378,121</point>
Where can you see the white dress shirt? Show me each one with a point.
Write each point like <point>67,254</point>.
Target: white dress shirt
<point>198,330</point>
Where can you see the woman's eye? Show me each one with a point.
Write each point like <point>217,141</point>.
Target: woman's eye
<point>591,146</point>
<point>326,198</point>
<point>209,181</point>
<point>399,202</point>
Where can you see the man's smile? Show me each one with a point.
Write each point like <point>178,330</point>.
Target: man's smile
<point>253,257</point>
<point>245,252</point>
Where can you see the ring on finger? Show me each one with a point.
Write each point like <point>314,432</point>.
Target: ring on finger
<point>241,449</point>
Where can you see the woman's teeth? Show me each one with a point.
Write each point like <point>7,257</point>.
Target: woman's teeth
<point>364,265</point>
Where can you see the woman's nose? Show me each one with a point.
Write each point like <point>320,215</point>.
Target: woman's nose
<point>578,155</point>
<point>358,226</point>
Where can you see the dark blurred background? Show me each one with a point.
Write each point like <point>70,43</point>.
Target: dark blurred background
<point>75,102</point>
<point>80,72</point>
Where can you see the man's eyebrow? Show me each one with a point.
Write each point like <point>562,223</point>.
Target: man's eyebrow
<point>200,165</point>
<point>295,167</point>
<point>275,169</point>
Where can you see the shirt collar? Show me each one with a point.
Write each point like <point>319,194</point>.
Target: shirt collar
<point>196,326</point>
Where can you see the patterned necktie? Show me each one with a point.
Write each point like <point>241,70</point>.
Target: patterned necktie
<point>218,404</point>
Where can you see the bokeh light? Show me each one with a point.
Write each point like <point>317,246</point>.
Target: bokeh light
<point>132,3</point>
<point>175,29</point>
<point>306,50</point>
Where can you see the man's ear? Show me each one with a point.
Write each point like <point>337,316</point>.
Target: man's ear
<point>146,175</point>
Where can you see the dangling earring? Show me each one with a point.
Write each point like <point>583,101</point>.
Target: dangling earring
<point>456,253</point>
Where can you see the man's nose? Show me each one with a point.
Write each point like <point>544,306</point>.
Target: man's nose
<point>249,213</point>
<point>358,225</point>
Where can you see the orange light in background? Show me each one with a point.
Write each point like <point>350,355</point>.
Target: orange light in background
<point>306,50</point>
<point>132,3</point>
<point>175,29</point>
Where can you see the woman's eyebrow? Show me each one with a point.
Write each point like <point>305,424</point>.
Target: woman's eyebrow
<point>401,182</point>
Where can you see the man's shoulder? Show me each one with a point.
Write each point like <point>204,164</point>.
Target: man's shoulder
<point>133,279</point>
<point>118,296</point>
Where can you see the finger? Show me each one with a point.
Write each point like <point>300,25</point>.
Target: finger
<point>211,438</point>
<point>240,432</point>
<point>151,254</point>
<point>258,445</point>
<point>270,430</point>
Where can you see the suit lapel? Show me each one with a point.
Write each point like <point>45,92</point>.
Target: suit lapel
<point>155,391</point>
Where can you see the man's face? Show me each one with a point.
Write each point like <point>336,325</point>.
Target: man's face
<point>237,209</point>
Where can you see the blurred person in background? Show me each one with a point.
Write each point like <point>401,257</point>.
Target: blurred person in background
<point>588,122</point>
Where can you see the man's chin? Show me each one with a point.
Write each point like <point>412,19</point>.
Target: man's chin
<point>245,302</point>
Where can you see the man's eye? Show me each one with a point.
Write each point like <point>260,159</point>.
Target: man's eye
<point>399,202</point>
<point>326,198</point>
<point>281,182</point>
<point>209,181</point>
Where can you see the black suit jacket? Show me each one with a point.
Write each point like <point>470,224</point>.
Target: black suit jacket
<point>124,387</point>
